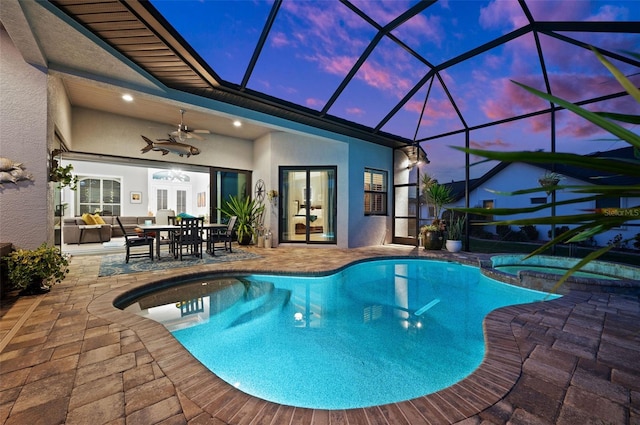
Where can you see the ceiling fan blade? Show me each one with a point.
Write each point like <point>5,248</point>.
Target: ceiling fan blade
<point>195,136</point>
<point>202,131</point>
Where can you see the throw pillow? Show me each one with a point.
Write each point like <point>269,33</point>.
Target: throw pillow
<point>185,215</point>
<point>88,219</point>
<point>98,219</point>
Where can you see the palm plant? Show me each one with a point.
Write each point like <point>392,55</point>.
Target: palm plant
<point>438,195</point>
<point>590,223</point>
<point>248,212</point>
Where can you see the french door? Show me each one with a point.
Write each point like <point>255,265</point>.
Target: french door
<point>308,204</point>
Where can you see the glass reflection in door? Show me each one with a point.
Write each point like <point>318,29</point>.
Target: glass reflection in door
<point>308,204</point>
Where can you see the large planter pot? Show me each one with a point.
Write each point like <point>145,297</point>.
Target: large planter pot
<point>246,240</point>
<point>453,246</point>
<point>35,287</point>
<point>432,240</point>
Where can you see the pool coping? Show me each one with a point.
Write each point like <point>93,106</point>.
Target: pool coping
<point>499,371</point>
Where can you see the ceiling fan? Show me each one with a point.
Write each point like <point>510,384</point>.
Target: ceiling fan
<point>183,132</point>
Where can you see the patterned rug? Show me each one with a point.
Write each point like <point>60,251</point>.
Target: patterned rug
<point>114,264</point>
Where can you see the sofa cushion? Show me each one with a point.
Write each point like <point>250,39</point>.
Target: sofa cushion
<point>128,220</point>
<point>88,219</point>
<point>98,219</point>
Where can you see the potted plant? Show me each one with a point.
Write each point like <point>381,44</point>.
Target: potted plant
<point>63,176</point>
<point>438,195</point>
<point>248,212</point>
<point>33,270</point>
<point>454,234</point>
<point>549,179</point>
<point>431,236</point>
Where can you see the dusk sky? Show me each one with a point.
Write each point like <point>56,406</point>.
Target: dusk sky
<point>314,44</point>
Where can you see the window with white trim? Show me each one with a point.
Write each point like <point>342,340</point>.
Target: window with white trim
<point>375,192</point>
<point>99,194</point>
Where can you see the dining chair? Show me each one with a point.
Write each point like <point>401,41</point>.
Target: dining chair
<point>225,236</point>
<point>163,217</point>
<point>132,240</point>
<point>189,238</point>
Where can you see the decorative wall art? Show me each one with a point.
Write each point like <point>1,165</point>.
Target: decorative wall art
<point>169,145</point>
<point>135,198</point>
<point>12,172</point>
<point>201,198</point>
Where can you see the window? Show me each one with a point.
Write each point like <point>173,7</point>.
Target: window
<point>488,204</point>
<point>538,200</point>
<point>162,196</point>
<point>181,200</point>
<point>608,203</point>
<point>99,194</point>
<point>375,192</point>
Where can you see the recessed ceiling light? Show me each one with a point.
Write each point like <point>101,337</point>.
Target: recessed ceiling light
<point>127,97</point>
<point>237,123</point>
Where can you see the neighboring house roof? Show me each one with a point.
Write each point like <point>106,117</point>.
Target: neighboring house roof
<point>583,174</point>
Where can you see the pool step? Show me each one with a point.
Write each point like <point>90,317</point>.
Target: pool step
<point>276,300</point>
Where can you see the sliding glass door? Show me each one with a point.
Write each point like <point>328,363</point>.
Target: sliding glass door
<point>308,204</point>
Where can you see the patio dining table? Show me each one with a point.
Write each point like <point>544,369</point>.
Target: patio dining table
<point>157,228</point>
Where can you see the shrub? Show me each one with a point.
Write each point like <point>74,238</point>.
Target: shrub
<point>503,230</point>
<point>530,231</point>
<point>559,230</point>
<point>618,241</point>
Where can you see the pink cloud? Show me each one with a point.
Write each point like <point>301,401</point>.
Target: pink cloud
<point>498,13</point>
<point>382,12</point>
<point>509,100</point>
<point>355,111</point>
<point>438,109</point>
<point>573,126</point>
<point>279,39</point>
<point>497,143</point>
<point>558,10</point>
<point>376,76</point>
<point>421,29</point>
<point>540,124</point>
<point>314,103</point>
<point>338,65</point>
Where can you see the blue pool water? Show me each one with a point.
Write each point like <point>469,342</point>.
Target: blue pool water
<point>377,332</point>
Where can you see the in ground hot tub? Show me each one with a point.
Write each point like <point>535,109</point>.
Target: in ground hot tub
<point>542,272</point>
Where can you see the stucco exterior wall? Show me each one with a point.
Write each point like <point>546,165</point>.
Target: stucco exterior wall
<point>301,150</point>
<point>524,176</point>
<point>110,134</point>
<point>24,215</point>
<point>375,229</point>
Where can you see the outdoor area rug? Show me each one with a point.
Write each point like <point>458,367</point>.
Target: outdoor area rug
<point>114,264</point>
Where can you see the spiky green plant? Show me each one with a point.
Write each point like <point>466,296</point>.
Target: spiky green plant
<point>590,223</point>
<point>248,211</point>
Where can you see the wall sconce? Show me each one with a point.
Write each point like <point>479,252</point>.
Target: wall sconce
<point>415,155</point>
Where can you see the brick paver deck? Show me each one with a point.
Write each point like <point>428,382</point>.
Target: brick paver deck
<point>70,357</point>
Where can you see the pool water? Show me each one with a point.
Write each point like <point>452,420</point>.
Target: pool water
<point>377,332</point>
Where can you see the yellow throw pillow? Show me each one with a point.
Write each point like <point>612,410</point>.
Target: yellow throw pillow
<point>88,218</point>
<point>98,219</point>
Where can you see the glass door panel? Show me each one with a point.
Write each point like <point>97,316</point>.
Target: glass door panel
<point>405,214</point>
<point>308,205</point>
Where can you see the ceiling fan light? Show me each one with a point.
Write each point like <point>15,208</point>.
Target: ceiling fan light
<point>182,135</point>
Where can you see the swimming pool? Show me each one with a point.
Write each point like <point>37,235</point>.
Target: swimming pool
<point>376,332</point>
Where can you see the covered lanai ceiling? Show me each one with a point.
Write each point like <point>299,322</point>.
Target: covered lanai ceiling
<point>390,72</point>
